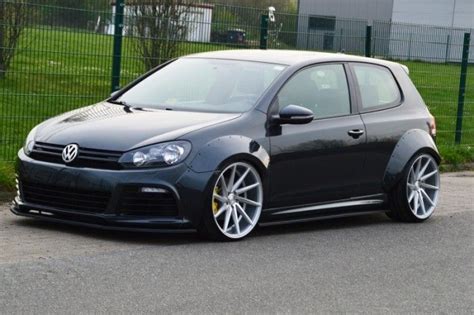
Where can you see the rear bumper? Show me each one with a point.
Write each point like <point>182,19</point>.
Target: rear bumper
<point>185,185</point>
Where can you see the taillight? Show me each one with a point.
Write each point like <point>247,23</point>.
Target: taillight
<point>432,126</point>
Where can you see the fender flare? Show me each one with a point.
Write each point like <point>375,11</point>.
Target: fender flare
<point>411,143</point>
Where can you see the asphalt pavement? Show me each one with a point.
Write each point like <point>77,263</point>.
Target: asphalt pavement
<point>366,264</point>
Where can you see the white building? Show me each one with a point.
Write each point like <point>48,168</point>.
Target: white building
<point>397,27</point>
<point>198,20</point>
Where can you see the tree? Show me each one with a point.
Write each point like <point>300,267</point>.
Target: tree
<point>13,15</point>
<point>158,26</point>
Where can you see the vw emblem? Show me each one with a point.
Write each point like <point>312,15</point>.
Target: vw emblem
<point>70,152</point>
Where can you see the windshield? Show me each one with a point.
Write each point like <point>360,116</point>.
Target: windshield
<point>207,85</point>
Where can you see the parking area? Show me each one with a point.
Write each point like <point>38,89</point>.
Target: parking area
<point>362,264</point>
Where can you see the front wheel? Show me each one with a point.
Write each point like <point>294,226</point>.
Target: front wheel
<point>236,203</point>
<point>415,197</point>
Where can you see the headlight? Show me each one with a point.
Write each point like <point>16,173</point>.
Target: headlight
<point>30,142</point>
<point>157,155</point>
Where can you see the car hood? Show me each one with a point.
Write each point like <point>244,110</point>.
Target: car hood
<point>119,128</point>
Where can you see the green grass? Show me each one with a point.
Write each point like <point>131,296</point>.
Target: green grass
<point>456,155</point>
<point>439,86</point>
<point>59,70</point>
<point>7,176</point>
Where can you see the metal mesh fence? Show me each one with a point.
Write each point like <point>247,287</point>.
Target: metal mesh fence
<point>63,57</point>
<point>433,55</point>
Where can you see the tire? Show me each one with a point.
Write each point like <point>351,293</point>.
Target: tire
<point>415,196</point>
<point>234,195</point>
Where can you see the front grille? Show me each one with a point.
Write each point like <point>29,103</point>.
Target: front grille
<point>135,202</point>
<point>65,198</point>
<point>92,158</point>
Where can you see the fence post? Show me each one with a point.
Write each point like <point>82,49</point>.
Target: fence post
<point>340,40</point>
<point>117,50</point>
<point>409,46</point>
<point>462,87</point>
<point>448,40</point>
<point>368,41</point>
<point>264,31</point>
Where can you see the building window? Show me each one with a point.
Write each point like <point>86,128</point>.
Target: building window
<point>322,23</point>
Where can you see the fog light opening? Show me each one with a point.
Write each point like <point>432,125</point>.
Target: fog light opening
<point>153,190</point>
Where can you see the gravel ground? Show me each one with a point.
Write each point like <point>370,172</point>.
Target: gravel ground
<point>359,265</point>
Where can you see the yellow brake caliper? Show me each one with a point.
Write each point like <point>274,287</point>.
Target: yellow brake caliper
<point>215,204</point>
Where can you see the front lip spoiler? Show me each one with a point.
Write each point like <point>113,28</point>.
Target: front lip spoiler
<point>111,223</point>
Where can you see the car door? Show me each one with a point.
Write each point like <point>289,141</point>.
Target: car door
<point>322,160</point>
<point>379,99</point>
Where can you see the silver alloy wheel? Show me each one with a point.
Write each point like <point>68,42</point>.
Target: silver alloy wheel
<point>423,186</point>
<point>237,200</point>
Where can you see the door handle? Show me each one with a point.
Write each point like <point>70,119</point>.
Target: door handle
<point>355,133</point>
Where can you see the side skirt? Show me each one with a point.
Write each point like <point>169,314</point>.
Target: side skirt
<point>341,208</point>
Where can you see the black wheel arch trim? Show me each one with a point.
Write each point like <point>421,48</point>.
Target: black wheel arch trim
<point>411,143</point>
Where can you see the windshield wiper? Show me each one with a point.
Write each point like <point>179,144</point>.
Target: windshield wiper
<point>123,103</point>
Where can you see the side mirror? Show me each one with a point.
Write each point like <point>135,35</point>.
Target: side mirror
<point>294,115</point>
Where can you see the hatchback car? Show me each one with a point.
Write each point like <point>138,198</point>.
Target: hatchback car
<point>224,141</point>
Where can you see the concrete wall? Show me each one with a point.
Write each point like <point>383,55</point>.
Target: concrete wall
<point>347,36</point>
<point>415,42</point>
<point>352,18</point>
<point>399,29</point>
<point>352,9</point>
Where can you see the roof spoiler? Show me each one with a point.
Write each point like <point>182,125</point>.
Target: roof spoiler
<point>406,69</point>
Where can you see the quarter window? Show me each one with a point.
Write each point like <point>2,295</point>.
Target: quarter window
<point>322,89</point>
<point>377,86</point>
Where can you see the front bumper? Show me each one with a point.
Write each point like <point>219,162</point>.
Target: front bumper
<point>103,222</point>
<point>185,185</point>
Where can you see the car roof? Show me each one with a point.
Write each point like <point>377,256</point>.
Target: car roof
<point>286,57</point>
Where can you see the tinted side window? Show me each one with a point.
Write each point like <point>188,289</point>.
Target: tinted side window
<point>377,86</point>
<point>322,89</point>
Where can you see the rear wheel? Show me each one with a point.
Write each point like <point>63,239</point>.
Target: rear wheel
<point>415,197</point>
<point>236,203</point>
